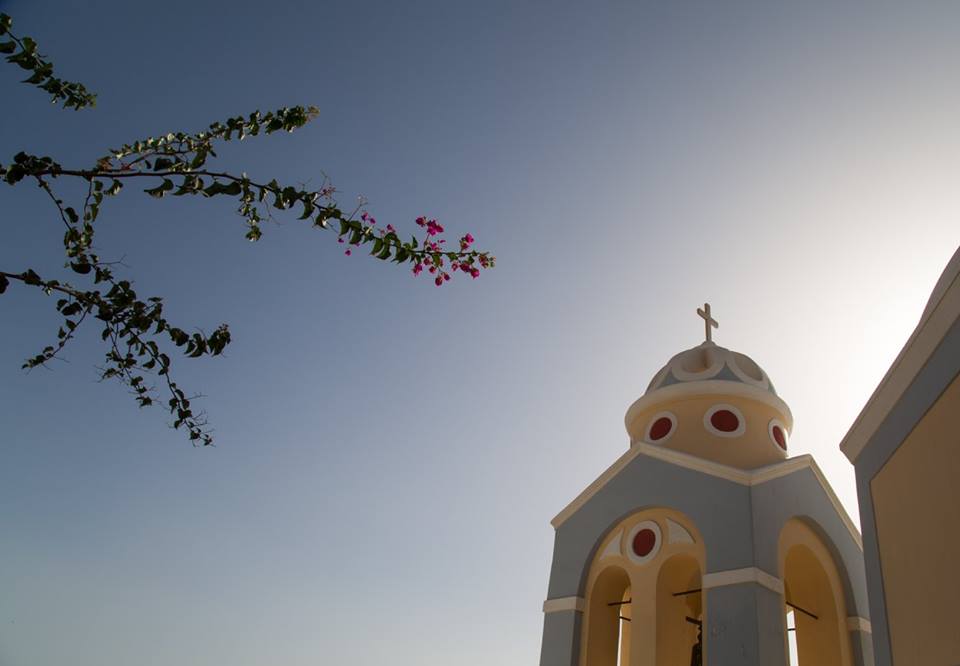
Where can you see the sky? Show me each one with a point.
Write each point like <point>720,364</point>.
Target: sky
<point>389,454</point>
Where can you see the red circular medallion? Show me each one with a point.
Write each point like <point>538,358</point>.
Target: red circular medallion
<point>779,437</point>
<point>724,420</point>
<point>644,541</point>
<point>660,428</point>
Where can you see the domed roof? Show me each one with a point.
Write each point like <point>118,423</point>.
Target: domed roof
<point>709,361</point>
<point>713,403</point>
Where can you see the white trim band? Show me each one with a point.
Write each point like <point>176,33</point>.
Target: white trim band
<point>743,477</point>
<point>740,576</point>
<point>564,604</point>
<point>859,624</point>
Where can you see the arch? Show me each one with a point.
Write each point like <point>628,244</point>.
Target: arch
<point>838,562</point>
<point>814,590</point>
<point>679,608</point>
<point>603,624</point>
<point>630,608</point>
<point>634,515</point>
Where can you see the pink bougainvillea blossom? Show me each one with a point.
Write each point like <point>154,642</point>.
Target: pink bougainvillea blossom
<point>426,252</point>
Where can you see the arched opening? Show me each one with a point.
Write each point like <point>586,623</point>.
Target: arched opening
<point>607,603</point>
<point>679,612</point>
<point>643,603</point>
<point>814,607</point>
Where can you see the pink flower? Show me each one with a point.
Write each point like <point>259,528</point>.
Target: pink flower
<point>438,281</point>
<point>421,221</point>
<point>433,269</point>
<point>474,273</point>
<point>348,252</point>
<point>390,227</point>
<point>418,269</point>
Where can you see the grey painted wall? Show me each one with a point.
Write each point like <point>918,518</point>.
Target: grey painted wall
<point>740,526</point>
<point>744,626</point>
<point>561,638</point>
<point>718,508</point>
<point>801,495</point>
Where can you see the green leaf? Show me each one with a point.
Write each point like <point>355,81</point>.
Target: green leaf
<point>233,189</point>
<point>8,47</point>
<point>4,283</point>
<point>307,209</point>
<point>30,277</point>
<point>160,189</point>
<point>37,77</point>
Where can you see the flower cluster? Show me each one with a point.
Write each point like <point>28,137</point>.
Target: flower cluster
<point>432,227</point>
<point>427,253</point>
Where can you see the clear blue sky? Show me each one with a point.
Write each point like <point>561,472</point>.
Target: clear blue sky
<point>390,454</point>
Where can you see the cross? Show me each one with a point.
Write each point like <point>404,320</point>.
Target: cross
<point>708,321</point>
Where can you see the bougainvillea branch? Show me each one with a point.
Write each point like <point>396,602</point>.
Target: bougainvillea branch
<point>175,164</point>
<point>23,53</point>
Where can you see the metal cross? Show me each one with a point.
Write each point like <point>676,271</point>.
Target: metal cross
<point>708,321</point>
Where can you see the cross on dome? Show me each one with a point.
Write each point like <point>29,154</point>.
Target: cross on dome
<point>708,321</point>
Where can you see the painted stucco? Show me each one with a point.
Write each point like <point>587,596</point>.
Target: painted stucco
<point>740,525</point>
<point>915,497</point>
<point>752,448</point>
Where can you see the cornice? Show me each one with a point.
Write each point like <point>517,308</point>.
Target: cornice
<point>735,475</point>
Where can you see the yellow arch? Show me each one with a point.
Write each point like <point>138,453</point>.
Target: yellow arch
<point>657,633</point>
<point>814,587</point>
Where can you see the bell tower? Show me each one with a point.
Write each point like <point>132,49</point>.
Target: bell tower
<point>704,543</point>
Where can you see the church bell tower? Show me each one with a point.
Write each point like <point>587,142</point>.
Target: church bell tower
<point>704,543</point>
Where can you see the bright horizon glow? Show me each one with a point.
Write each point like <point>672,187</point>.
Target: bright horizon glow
<point>792,653</point>
<point>391,452</point>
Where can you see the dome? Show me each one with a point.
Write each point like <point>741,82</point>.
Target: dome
<point>709,361</point>
<point>714,403</point>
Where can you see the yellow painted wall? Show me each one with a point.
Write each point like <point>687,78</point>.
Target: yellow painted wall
<point>601,623</point>
<point>752,449</point>
<point>675,636</point>
<point>916,503</point>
